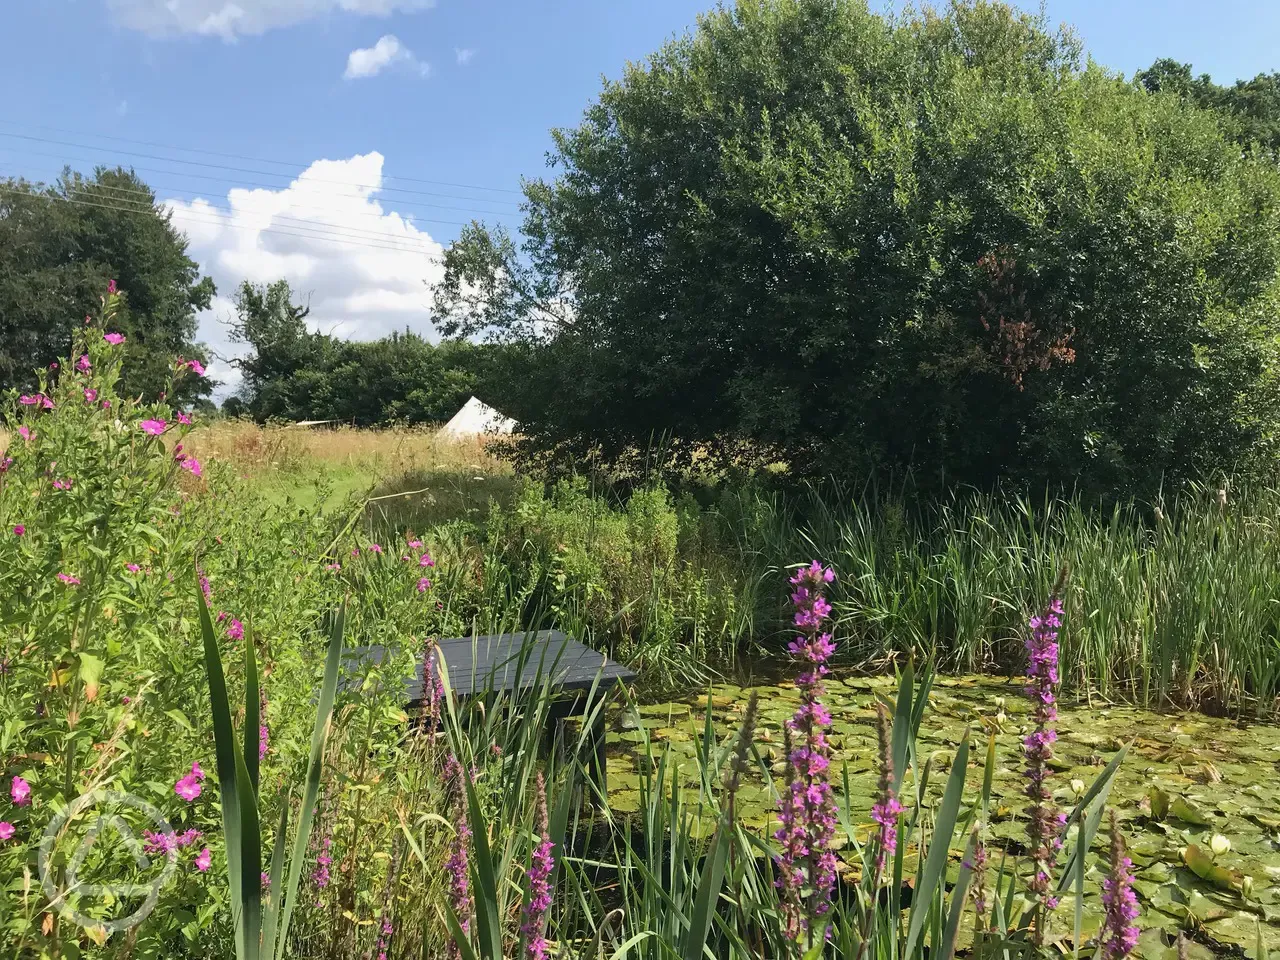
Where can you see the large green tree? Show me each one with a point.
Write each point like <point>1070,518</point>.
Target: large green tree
<point>854,242</point>
<point>1250,109</point>
<point>59,247</point>
<point>293,373</point>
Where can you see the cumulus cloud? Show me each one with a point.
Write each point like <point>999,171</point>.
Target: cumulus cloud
<point>233,18</point>
<point>388,51</point>
<point>464,55</point>
<point>364,270</point>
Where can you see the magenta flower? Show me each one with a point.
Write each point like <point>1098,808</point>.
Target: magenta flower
<point>204,587</point>
<point>415,544</point>
<point>47,403</point>
<point>188,788</point>
<point>235,630</point>
<point>111,287</point>
<point>132,567</point>
<point>5,464</point>
<point>153,427</point>
<point>538,901</point>
<point>320,875</point>
<point>69,580</point>
<point>195,366</point>
<point>807,810</point>
<point>333,566</point>
<point>887,809</point>
<point>62,484</point>
<point>19,530</point>
<point>426,561</point>
<point>115,339</point>
<point>204,860</point>
<point>424,585</point>
<point>90,396</point>
<point>184,419</point>
<point>83,364</point>
<point>29,401</point>
<point>1045,822</point>
<point>457,866</point>
<point>24,432</point>
<point>6,830</point>
<point>375,548</point>
<point>20,791</point>
<point>1119,904</point>
<point>192,466</point>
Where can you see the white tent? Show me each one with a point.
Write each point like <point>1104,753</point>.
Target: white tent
<point>476,419</point>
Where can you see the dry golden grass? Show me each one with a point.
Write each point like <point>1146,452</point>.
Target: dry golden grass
<point>379,453</point>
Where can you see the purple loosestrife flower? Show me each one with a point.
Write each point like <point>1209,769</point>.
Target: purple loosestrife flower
<point>887,809</point>
<point>539,900</point>
<point>807,810</point>
<point>324,860</point>
<point>1045,822</point>
<point>1119,904</point>
<point>458,865</point>
<point>431,686</point>
<point>978,865</point>
<point>235,630</point>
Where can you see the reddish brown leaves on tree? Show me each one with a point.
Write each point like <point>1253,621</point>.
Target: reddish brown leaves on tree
<point>1018,344</point>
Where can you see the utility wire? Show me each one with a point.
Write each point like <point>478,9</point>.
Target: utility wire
<point>147,204</point>
<point>180,214</point>
<point>237,156</point>
<point>220,166</point>
<point>276,187</point>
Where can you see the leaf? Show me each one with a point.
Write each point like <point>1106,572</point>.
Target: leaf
<point>1188,812</point>
<point>1201,863</point>
<point>91,668</point>
<point>1159,802</point>
<point>935,866</point>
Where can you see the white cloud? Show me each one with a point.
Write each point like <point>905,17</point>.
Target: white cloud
<point>364,270</point>
<point>464,55</point>
<point>371,61</point>
<point>232,18</point>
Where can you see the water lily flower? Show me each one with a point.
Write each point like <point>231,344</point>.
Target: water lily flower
<point>153,427</point>
<point>115,339</point>
<point>20,791</point>
<point>1219,844</point>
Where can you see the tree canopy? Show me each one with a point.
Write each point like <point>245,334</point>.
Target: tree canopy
<point>59,247</point>
<point>1250,109</point>
<point>294,373</point>
<point>853,242</point>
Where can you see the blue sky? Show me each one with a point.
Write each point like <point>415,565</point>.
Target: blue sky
<point>459,92</point>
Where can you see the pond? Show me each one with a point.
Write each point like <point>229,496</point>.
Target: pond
<point>1187,777</point>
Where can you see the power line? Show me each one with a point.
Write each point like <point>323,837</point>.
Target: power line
<point>278,188</point>
<point>220,166</point>
<point>319,236</point>
<point>137,196</point>
<point>236,156</point>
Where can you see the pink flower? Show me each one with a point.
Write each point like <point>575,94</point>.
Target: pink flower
<point>24,432</point>
<point>115,339</point>
<point>19,529</point>
<point>415,544</point>
<point>132,567</point>
<point>188,788</point>
<point>204,859</point>
<point>20,790</point>
<point>333,566</point>
<point>83,364</point>
<point>196,771</point>
<point>192,465</point>
<point>375,548</point>
<point>196,367</point>
<point>235,630</point>
<point>5,464</point>
<point>90,396</point>
<point>6,830</point>
<point>153,427</point>
<point>111,286</point>
<point>426,561</point>
<point>48,404</point>
<point>106,404</point>
<point>69,580</point>
<point>29,401</point>
<point>184,419</point>
<point>62,484</point>
<point>424,585</point>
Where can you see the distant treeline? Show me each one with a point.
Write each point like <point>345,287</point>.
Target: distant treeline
<point>293,373</point>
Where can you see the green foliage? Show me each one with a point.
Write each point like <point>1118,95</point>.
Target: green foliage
<point>852,242</point>
<point>59,245</point>
<point>293,373</point>
<point>1248,109</point>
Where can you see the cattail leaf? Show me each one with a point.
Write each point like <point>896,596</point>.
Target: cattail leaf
<point>935,866</point>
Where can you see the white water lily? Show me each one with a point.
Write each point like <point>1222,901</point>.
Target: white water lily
<point>1219,844</point>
